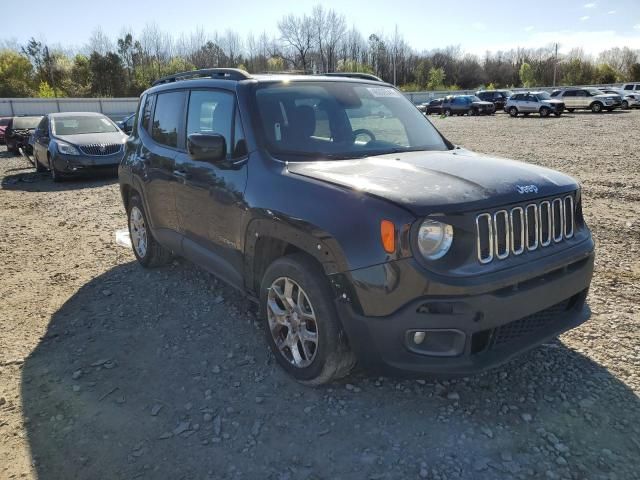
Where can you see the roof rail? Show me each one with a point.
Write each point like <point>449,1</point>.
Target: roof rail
<point>217,73</point>
<point>363,76</point>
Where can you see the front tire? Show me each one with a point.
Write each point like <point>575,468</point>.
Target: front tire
<point>55,174</point>
<point>513,111</point>
<point>145,248</point>
<point>545,112</point>
<point>596,107</point>
<point>570,110</point>
<point>37,164</point>
<point>301,324</point>
<point>625,105</point>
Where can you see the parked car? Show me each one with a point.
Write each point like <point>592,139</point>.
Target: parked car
<point>634,87</point>
<point>70,144</point>
<point>588,99</point>
<point>497,97</point>
<point>466,104</point>
<point>126,124</point>
<point>4,121</point>
<point>434,106</point>
<point>359,237</point>
<point>629,98</point>
<point>534,102</point>
<point>17,131</point>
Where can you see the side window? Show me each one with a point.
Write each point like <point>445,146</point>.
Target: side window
<point>581,93</point>
<point>168,118</point>
<point>148,111</point>
<point>240,144</point>
<point>43,126</point>
<point>570,93</point>
<point>628,87</point>
<point>129,122</point>
<point>211,112</point>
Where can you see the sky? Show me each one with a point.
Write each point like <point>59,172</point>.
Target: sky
<point>475,26</point>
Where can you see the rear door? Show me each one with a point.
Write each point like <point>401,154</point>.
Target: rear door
<point>569,98</point>
<point>582,99</point>
<point>162,134</point>
<point>210,196</point>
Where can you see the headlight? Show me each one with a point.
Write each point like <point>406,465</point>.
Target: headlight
<point>67,149</point>
<point>434,239</point>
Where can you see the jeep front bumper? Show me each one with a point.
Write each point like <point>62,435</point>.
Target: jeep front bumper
<point>467,333</point>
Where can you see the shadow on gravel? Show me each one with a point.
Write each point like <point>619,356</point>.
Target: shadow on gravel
<point>30,181</point>
<point>164,374</point>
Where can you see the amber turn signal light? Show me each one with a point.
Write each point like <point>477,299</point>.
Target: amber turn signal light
<point>388,236</point>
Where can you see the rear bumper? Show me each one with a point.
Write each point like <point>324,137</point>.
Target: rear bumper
<point>493,326</point>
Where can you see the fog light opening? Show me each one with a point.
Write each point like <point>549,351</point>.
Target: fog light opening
<point>419,337</point>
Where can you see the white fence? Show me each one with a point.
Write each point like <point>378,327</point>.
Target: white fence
<point>112,107</point>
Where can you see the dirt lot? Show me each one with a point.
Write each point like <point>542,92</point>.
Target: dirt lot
<point>111,371</point>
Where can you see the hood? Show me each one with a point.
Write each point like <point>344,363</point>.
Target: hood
<point>93,138</point>
<point>430,182</point>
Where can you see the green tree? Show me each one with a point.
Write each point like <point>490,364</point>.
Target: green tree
<point>107,75</point>
<point>436,79</point>
<point>15,75</point>
<point>275,64</point>
<point>45,90</point>
<point>605,73</point>
<point>527,76</point>
<point>635,72</point>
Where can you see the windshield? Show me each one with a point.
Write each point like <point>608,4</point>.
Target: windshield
<point>337,120</point>
<point>507,93</point>
<point>80,124</point>
<point>543,96</point>
<point>594,91</point>
<point>474,98</point>
<point>4,122</point>
<point>20,123</point>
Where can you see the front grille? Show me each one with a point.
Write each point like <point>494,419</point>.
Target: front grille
<point>101,148</point>
<point>524,228</point>
<point>513,331</point>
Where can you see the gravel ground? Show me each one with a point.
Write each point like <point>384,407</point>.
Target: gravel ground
<point>111,371</point>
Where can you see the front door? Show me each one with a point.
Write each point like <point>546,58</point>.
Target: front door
<point>162,133</point>
<point>210,196</point>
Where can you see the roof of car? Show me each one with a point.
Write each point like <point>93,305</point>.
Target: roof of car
<point>76,114</point>
<point>229,77</point>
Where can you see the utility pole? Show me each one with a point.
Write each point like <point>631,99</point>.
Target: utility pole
<point>395,54</point>
<point>555,65</point>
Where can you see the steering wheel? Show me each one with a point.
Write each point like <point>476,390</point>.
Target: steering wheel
<point>364,131</point>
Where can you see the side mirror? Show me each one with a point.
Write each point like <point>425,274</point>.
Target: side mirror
<point>207,148</point>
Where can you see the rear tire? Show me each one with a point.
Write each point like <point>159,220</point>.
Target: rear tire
<point>145,248</point>
<point>324,355</point>
<point>557,114</point>
<point>570,110</point>
<point>447,112</point>
<point>513,111</point>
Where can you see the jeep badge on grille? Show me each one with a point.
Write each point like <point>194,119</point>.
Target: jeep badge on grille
<point>527,189</point>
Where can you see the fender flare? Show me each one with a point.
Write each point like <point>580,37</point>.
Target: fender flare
<point>311,240</point>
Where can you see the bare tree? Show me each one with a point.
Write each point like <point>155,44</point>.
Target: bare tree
<point>297,34</point>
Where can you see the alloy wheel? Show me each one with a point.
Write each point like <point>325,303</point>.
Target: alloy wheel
<point>138,229</point>
<point>292,322</point>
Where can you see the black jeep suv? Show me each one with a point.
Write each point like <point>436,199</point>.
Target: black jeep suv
<point>358,228</point>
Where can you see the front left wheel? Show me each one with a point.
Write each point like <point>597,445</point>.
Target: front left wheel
<point>301,323</point>
<point>145,248</point>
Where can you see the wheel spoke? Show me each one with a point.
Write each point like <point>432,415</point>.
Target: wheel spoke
<point>278,314</point>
